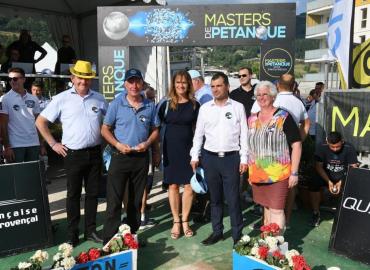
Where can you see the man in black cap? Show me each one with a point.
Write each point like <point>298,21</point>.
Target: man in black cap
<point>130,126</point>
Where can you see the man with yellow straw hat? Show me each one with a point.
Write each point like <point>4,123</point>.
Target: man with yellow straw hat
<point>81,112</point>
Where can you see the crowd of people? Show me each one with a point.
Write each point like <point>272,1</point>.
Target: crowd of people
<point>24,50</point>
<point>252,134</point>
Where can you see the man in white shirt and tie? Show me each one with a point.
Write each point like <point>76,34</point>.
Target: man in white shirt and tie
<point>222,121</point>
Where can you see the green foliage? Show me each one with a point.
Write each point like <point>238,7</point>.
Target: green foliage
<point>234,57</point>
<point>11,26</point>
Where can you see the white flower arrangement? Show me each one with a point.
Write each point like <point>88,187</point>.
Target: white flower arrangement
<point>40,256</point>
<point>124,228</point>
<point>246,238</point>
<point>63,260</point>
<point>24,265</point>
<point>272,243</point>
<point>66,249</point>
<point>34,262</point>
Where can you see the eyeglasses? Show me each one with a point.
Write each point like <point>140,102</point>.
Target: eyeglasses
<point>242,75</point>
<point>14,79</point>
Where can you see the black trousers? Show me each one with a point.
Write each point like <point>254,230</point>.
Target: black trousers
<point>125,171</point>
<point>222,174</point>
<point>83,167</point>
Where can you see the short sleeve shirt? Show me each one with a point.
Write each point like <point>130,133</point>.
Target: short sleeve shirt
<point>81,117</point>
<point>21,111</point>
<point>131,126</point>
<point>336,164</point>
<point>204,94</point>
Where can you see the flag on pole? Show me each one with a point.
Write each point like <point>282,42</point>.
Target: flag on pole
<point>339,36</point>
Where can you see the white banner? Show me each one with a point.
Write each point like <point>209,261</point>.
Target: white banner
<point>339,34</point>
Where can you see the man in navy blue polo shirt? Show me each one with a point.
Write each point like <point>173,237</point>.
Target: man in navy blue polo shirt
<point>81,111</point>
<point>131,126</point>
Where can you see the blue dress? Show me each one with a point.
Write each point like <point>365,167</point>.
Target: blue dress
<point>177,141</point>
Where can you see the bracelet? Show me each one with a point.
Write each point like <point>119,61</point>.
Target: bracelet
<point>294,174</point>
<point>52,145</point>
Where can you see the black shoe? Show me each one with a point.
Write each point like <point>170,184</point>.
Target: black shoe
<point>315,219</point>
<point>212,239</point>
<point>73,242</point>
<point>94,237</point>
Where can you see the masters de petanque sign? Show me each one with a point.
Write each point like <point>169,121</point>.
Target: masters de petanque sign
<point>249,24</point>
<point>120,27</point>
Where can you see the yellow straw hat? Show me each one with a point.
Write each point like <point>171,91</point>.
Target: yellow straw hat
<point>82,69</point>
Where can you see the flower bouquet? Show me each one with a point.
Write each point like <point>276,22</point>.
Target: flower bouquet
<point>63,259</point>
<point>120,251</point>
<point>34,262</point>
<point>268,251</point>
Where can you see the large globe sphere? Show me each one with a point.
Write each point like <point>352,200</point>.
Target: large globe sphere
<point>116,25</point>
<point>261,32</point>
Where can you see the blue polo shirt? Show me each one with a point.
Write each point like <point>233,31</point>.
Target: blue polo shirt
<point>131,126</point>
<point>81,117</point>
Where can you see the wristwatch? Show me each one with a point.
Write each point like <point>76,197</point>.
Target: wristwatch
<point>294,173</point>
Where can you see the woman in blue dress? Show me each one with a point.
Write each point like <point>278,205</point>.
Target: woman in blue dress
<point>179,114</point>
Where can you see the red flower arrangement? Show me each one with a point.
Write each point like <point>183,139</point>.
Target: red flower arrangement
<point>300,263</point>
<point>262,252</point>
<point>271,248</point>
<point>94,254</point>
<point>270,229</point>
<point>83,257</point>
<point>91,255</point>
<point>123,240</point>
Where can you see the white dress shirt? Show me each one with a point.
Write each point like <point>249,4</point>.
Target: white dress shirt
<point>225,129</point>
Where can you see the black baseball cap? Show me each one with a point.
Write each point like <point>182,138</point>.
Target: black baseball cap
<point>133,72</point>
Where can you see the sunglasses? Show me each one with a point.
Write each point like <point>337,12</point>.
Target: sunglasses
<point>242,75</point>
<point>14,79</point>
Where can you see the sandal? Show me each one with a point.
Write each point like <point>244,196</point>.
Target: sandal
<point>175,235</point>
<point>187,232</point>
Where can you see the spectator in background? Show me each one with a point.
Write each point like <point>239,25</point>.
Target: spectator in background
<point>202,91</point>
<point>2,55</point>
<point>37,89</point>
<point>66,54</point>
<point>311,111</point>
<point>14,56</point>
<point>154,160</point>
<point>319,86</point>
<point>27,48</point>
<point>18,112</point>
<point>245,92</point>
<point>296,91</point>
<point>332,161</point>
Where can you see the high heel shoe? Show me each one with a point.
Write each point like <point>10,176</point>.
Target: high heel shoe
<point>187,232</point>
<point>175,235</point>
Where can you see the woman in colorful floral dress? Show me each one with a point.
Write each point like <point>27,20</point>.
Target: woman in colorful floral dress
<point>274,145</point>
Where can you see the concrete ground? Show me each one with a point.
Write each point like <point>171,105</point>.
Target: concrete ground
<point>162,252</point>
